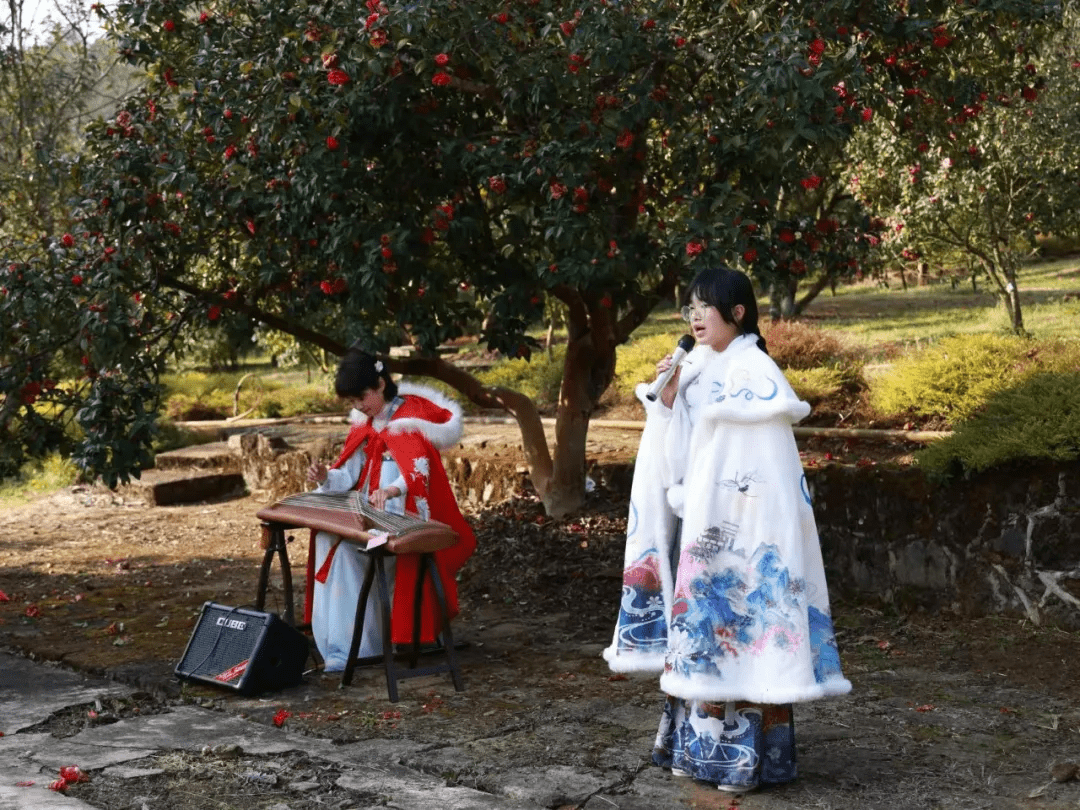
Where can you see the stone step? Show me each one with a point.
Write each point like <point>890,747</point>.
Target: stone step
<point>166,487</point>
<point>212,455</point>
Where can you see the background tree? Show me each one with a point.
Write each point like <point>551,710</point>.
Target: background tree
<point>971,166</point>
<point>435,168</point>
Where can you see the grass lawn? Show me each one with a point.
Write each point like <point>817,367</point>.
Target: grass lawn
<point>881,319</point>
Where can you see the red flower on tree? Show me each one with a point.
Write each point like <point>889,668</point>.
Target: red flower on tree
<point>694,247</point>
<point>440,79</point>
<point>497,184</point>
<point>811,182</point>
<point>750,256</point>
<point>442,59</point>
<point>337,77</point>
<point>331,143</point>
<point>214,312</point>
<point>625,139</point>
<point>68,240</point>
<point>169,25</point>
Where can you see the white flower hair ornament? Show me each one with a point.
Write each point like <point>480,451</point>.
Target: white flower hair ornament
<point>378,366</point>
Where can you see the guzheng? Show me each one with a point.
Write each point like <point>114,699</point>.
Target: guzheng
<point>349,515</point>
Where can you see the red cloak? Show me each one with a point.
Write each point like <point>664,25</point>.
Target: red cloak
<point>425,421</point>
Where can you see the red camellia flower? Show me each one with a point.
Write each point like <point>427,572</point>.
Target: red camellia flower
<point>867,114</point>
<point>497,184</point>
<point>214,312</point>
<point>442,59</point>
<point>76,279</point>
<point>581,194</point>
<point>694,247</point>
<point>204,18</point>
<point>750,256</point>
<point>169,25</point>
<point>326,287</point>
<point>440,79</point>
<point>680,41</point>
<point>73,773</point>
<point>68,240</point>
<point>337,77</point>
<point>502,18</point>
<point>557,189</point>
<point>280,717</point>
<point>786,235</point>
<point>625,139</point>
<point>1029,93</point>
<point>811,182</point>
<point>386,253</point>
<point>567,27</point>
<point>331,143</point>
<point>230,151</point>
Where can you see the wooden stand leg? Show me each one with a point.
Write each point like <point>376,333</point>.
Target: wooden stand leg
<point>389,665</point>
<point>276,545</point>
<point>447,634</point>
<point>358,625</point>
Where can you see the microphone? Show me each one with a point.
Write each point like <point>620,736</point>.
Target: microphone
<point>686,343</point>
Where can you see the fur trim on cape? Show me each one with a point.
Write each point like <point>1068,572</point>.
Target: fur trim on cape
<point>442,434</point>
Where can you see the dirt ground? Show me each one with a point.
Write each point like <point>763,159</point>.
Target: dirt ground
<point>945,713</point>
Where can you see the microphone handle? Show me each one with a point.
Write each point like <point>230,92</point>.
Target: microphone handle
<point>665,378</point>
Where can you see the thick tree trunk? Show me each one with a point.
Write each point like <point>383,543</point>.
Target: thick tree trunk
<point>587,373</point>
<point>782,299</point>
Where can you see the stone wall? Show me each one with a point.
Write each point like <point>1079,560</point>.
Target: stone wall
<point>1001,542</point>
<point>1005,541</point>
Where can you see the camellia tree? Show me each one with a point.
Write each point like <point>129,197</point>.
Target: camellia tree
<point>973,167</point>
<point>382,174</point>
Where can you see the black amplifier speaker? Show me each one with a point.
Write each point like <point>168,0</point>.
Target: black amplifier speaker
<point>248,651</point>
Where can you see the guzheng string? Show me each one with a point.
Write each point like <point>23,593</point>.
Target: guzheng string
<point>352,503</point>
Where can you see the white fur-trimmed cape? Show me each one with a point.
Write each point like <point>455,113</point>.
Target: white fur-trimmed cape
<point>441,424</point>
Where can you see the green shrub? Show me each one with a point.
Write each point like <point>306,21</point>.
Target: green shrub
<point>635,361</point>
<point>955,377</point>
<point>539,378</point>
<point>816,384</point>
<point>1037,419</point>
<point>282,403</point>
<point>39,477</point>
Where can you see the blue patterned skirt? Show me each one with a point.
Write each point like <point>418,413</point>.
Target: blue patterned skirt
<point>736,744</point>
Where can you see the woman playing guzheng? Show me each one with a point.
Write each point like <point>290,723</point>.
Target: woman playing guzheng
<point>391,455</point>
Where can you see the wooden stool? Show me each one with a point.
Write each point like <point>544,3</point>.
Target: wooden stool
<point>275,544</point>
